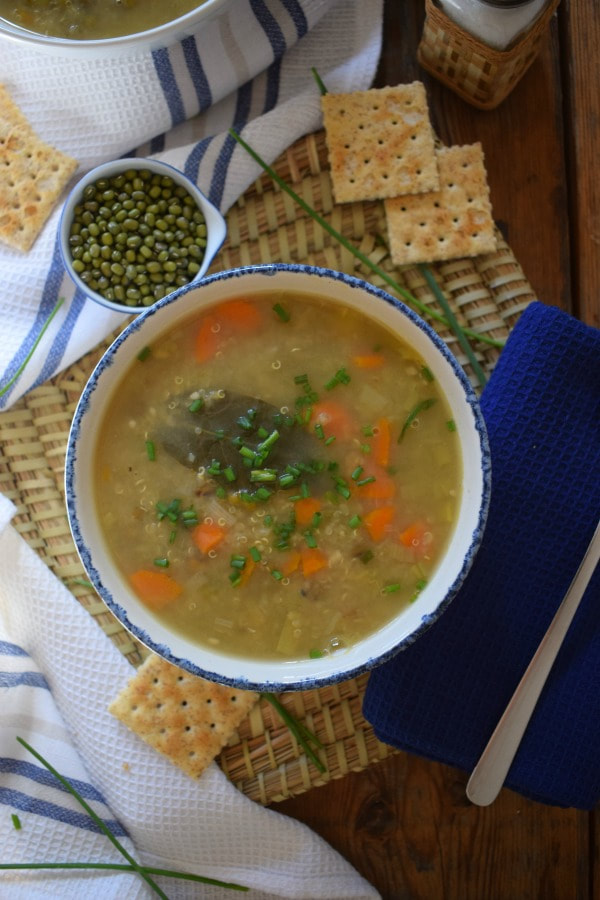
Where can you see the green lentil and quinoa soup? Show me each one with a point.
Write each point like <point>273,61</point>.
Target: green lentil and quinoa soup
<point>136,236</point>
<point>278,476</point>
<point>93,19</point>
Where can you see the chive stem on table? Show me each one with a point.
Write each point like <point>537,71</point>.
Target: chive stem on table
<point>132,865</point>
<point>362,257</point>
<point>35,344</point>
<point>303,735</point>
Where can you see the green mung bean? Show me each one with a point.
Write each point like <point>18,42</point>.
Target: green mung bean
<point>135,236</point>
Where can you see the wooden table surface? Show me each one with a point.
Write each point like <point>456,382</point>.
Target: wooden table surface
<point>405,823</point>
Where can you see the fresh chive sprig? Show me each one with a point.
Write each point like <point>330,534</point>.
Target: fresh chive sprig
<point>145,872</point>
<point>303,735</point>
<point>19,372</point>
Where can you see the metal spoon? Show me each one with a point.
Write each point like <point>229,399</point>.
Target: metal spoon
<point>489,774</point>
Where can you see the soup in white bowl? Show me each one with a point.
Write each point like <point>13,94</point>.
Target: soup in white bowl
<point>267,479</point>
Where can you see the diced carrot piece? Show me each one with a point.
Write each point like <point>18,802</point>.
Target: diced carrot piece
<point>383,488</point>
<point>378,520</point>
<point>291,563</point>
<point>242,315</point>
<point>305,508</point>
<point>247,570</point>
<point>334,418</point>
<point>416,537</point>
<point>155,589</point>
<point>369,361</point>
<point>207,535</point>
<point>381,442</point>
<point>313,560</point>
<point>207,339</point>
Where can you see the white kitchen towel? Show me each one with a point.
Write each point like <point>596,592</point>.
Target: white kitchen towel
<point>249,68</point>
<point>58,672</point>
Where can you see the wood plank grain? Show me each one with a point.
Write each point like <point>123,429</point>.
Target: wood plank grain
<point>413,834</point>
<point>580,29</point>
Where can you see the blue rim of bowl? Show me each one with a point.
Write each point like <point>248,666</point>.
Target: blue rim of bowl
<point>137,162</point>
<point>343,674</point>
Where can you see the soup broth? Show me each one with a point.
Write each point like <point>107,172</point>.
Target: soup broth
<point>93,19</point>
<point>277,477</point>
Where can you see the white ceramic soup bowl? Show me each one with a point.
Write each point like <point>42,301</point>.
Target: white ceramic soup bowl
<point>125,45</point>
<point>215,223</point>
<point>411,621</point>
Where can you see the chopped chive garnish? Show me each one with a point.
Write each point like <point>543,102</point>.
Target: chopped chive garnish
<point>245,423</point>
<point>150,450</point>
<point>354,522</point>
<point>322,89</point>
<point>255,554</point>
<point>427,373</point>
<point>229,473</point>
<point>172,537</point>
<point>422,583</point>
<point>366,448</point>
<point>340,377</point>
<point>286,479</point>
<point>163,562</point>
<point>316,519</point>
<point>196,405</point>
<point>368,431</point>
<point>16,822</point>
<point>304,490</point>
<point>262,493</point>
<point>214,468</point>
<point>367,556</point>
<point>144,354</point>
<point>221,492</point>
<point>281,312</point>
<point>310,539</point>
<point>368,480</point>
<point>451,425</point>
<point>268,520</point>
<point>319,431</point>
<point>277,575</point>
<point>330,440</point>
<point>262,432</point>
<point>315,654</point>
<point>235,578</point>
<point>301,379</point>
<point>269,440</point>
<point>420,407</point>
<point>263,475</point>
<point>357,473</point>
<point>343,490</point>
<point>238,561</point>
<point>391,588</point>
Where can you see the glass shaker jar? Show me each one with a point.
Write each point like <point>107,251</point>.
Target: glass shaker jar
<point>481,48</point>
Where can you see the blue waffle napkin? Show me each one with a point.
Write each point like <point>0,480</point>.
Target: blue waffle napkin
<point>443,695</point>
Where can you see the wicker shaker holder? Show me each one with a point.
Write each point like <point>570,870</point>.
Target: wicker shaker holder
<point>479,74</point>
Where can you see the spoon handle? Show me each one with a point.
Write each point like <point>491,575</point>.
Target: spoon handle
<point>489,774</point>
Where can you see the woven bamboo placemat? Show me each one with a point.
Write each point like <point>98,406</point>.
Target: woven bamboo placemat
<point>486,293</point>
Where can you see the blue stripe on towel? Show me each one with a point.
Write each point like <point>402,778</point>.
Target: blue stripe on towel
<point>243,104</point>
<point>42,776</point>
<point>192,163</point>
<point>168,83</point>
<point>157,144</point>
<point>273,83</point>
<point>297,15</point>
<point>50,295</point>
<point>197,74</point>
<point>25,803</point>
<point>270,26</point>
<point>29,679</point>
<point>8,649</point>
<point>60,342</point>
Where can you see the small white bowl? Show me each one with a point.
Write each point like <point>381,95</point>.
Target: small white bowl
<point>244,673</point>
<point>126,45</point>
<point>216,227</point>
